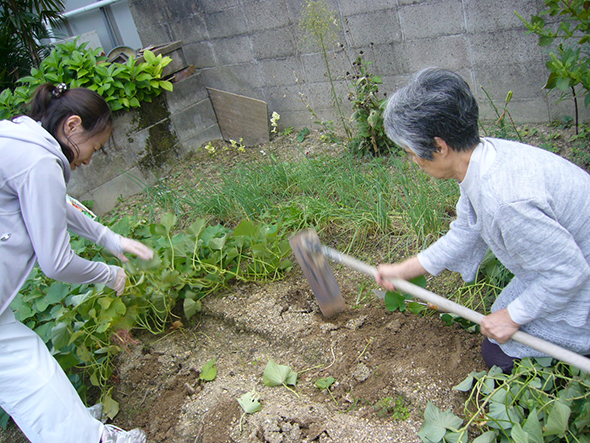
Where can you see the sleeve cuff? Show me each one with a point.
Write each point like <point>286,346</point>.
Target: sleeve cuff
<point>518,312</point>
<point>428,265</point>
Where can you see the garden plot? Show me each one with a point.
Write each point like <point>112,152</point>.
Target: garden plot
<point>386,367</point>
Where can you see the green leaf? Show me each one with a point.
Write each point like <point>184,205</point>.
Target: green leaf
<point>395,301</point>
<point>191,307</point>
<point>60,335</point>
<point>437,422</point>
<point>558,420</point>
<point>518,435</point>
<point>246,227</point>
<point>277,375</point>
<point>486,437</point>
<point>110,407</point>
<point>209,371</point>
<point>166,85</point>
<point>57,292</point>
<point>324,383</point>
<point>533,428</point>
<point>250,402</point>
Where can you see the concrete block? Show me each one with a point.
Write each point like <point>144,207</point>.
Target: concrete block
<point>226,23</point>
<point>210,6</point>
<point>154,34</point>
<point>186,93</point>
<point>194,119</point>
<point>233,50</point>
<point>522,111</point>
<point>315,70</point>
<point>263,15</point>
<point>352,7</point>
<point>526,81</point>
<point>200,54</point>
<point>361,28</point>
<point>489,15</point>
<point>504,46</point>
<point>388,60</point>
<point>197,140</point>
<point>297,119</point>
<point>147,13</point>
<point>449,52</point>
<point>432,19</point>
<point>280,71</point>
<point>278,42</point>
<point>108,164</point>
<point>190,29</point>
<point>280,98</point>
<point>106,196</point>
<point>180,9</point>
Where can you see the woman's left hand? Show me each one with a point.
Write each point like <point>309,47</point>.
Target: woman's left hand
<point>499,326</point>
<point>136,248</point>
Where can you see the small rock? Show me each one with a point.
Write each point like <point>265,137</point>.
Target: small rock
<point>355,323</point>
<point>327,327</point>
<point>361,373</point>
<point>393,325</point>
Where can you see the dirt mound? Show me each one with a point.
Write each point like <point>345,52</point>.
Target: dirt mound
<point>386,367</point>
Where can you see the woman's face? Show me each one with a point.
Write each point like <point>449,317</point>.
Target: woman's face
<point>83,147</point>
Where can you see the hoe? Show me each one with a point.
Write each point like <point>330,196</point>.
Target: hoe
<point>312,257</point>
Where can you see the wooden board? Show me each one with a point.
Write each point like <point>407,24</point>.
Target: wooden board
<point>240,117</point>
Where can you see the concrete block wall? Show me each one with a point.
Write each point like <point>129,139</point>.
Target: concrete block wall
<point>147,141</point>
<point>253,48</point>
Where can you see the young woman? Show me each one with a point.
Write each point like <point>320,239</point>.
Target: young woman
<point>529,206</point>
<point>62,131</point>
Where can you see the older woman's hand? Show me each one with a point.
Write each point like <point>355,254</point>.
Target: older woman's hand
<point>499,326</point>
<point>406,270</point>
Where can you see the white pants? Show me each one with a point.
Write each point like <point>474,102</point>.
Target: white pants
<point>35,391</point>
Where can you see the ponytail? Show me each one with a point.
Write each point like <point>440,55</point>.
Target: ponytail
<point>52,105</point>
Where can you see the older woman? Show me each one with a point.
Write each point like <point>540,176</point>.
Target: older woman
<point>529,206</point>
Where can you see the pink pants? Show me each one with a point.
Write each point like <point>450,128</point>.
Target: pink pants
<point>35,391</point>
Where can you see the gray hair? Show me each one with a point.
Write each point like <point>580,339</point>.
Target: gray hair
<point>436,103</point>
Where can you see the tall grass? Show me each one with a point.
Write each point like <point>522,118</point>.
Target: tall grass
<point>343,194</point>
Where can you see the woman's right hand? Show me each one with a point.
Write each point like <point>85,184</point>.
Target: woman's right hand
<point>406,270</point>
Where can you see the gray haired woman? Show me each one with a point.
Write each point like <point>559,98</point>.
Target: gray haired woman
<point>529,206</point>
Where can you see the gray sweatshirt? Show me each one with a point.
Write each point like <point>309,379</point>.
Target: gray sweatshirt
<point>34,215</point>
<point>532,209</point>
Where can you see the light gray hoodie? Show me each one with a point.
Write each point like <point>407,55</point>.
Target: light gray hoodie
<point>34,215</point>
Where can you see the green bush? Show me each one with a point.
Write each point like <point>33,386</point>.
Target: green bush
<point>123,86</point>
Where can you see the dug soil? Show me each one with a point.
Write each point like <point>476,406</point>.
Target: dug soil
<point>386,366</point>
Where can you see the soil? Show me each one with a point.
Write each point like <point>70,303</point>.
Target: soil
<point>386,365</point>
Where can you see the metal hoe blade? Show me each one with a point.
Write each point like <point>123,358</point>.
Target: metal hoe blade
<point>306,246</point>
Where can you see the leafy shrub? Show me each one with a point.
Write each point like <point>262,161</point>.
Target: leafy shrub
<point>85,326</point>
<point>569,66</point>
<point>535,403</point>
<point>123,86</point>
<point>368,110</point>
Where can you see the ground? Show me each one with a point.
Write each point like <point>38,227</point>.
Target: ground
<point>386,365</point>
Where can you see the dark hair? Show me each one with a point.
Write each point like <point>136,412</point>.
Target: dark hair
<point>53,105</point>
<point>436,103</point>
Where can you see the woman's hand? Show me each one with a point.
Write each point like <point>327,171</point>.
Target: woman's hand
<point>406,270</point>
<point>499,326</point>
<point>135,248</point>
<point>120,281</point>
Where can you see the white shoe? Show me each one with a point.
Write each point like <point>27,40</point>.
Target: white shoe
<point>113,434</point>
